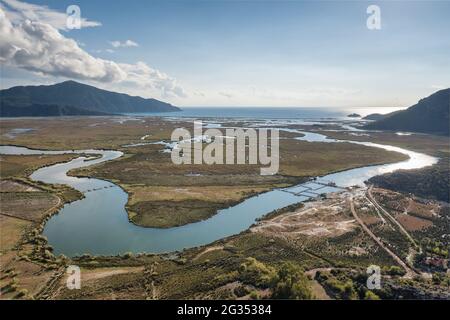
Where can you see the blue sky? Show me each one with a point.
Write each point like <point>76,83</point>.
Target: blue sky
<point>235,53</point>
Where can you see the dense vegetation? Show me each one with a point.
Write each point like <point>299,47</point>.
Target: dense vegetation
<point>430,182</point>
<point>286,282</point>
<point>38,110</point>
<point>352,285</point>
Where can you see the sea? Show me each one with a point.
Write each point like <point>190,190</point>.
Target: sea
<point>272,112</point>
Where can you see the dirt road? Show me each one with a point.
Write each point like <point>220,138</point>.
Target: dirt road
<point>390,217</point>
<point>409,272</point>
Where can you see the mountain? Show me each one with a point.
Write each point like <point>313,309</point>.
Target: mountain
<point>374,116</point>
<point>73,98</point>
<point>45,110</point>
<point>429,115</point>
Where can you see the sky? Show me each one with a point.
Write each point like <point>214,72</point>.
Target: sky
<point>233,53</point>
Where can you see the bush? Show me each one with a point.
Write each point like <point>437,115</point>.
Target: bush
<point>10,287</point>
<point>394,271</point>
<point>291,283</point>
<point>41,238</point>
<point>437,278</point>
<point>240,291</point>
<point>349,291</point>
<point>369,295</point>
<point>288,282</point>
<point>48,255</point>
<point>256,273</point>
<point>343,290</point>
<point>230,248</point>
<point>22,293</point>
<point>127,255</point>
<point>225,278</point>
<point>25,258</point>
<point>181,261</point>
<point>254,295</point>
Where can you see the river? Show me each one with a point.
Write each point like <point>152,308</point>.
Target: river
<point>98,224</point>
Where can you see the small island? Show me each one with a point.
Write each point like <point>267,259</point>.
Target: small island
<point>354,115</point>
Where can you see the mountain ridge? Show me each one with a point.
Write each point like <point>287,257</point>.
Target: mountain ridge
<point>428,115</point>
<point>74,98</point>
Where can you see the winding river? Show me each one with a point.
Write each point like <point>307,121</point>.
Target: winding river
<point>98,224</point>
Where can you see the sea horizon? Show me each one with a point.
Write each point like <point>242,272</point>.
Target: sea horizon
<point>272,112</point>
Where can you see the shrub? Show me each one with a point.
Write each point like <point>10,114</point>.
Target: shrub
<point>395,271</point>
<point>48,255</point>
<point>369,295</point>
<point>343,290</point>
<point>254,295</point>
<point>10,287</point>
<point>22,293</point>
<point>181,261</point>
<point>225,278</point>
<point>349,291</point>
<point>438,278</point>
<point>291,283</point>
<point>128,255</point>
<point>256,273</point>
<point>240,291</point>
<point>230,248</point>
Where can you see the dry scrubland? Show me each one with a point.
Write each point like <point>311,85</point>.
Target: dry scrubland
<point>327,243</point>
<point>144,169</point>
<point>24,205</point>
<point>331,250</point>
<point>163,194</point>
<point>84,132</point>
<point>21,166</point>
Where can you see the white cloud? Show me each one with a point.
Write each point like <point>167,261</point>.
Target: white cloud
<point>127,43</point>
<point>226,94</point>
<point>39,47</point>
<point>18,11</point>
<point>199,93</point>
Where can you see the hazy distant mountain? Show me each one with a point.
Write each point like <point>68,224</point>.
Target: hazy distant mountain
<point>374,116</point>
<point>73,98</point>
<point>429,115</point>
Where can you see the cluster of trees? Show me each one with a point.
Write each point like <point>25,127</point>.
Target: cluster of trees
<point>394,271</point>
<point>286,282</point>
<point>435,247</point>
<point>441,279</point>
<point>430,182</point>
<point>345,286</point>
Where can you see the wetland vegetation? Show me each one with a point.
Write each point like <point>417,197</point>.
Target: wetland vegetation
<point>300,262</point>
